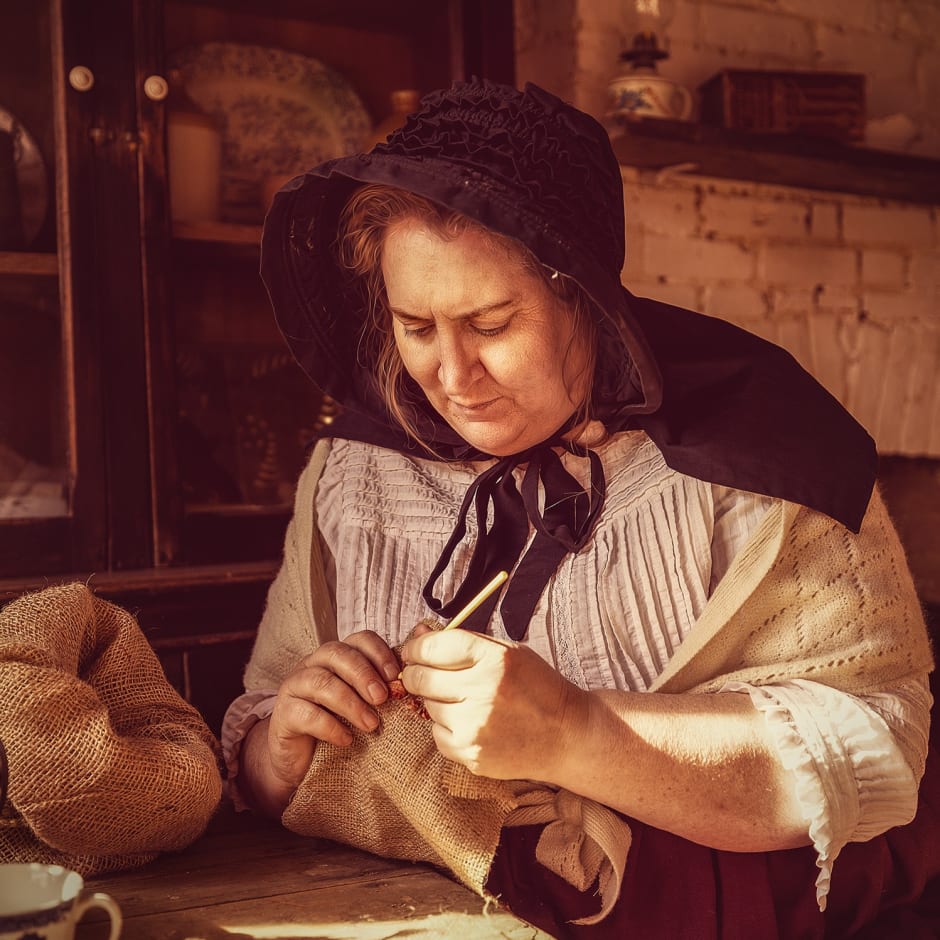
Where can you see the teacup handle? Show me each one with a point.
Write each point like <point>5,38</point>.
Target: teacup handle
<point>107,903</point>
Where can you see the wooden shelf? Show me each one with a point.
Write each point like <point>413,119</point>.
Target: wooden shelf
<point>225,233</point>
<point>45,264</point>
<point>781,159</point>
<point>109,583</point>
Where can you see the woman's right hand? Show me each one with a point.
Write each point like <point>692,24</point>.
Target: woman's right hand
<point>339,680</point>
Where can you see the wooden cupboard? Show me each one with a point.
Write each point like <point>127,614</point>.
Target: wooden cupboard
<point>151,421</point>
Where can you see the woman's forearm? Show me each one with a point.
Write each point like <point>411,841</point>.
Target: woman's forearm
<point>700,766</point>
<point>257,783</point>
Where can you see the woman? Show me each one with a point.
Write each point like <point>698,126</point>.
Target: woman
<point>506,404</point>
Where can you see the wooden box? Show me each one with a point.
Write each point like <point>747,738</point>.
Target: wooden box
<point>818,104</point>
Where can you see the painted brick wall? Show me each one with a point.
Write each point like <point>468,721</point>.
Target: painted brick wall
<point>850,285</point>
<point>571,47</point>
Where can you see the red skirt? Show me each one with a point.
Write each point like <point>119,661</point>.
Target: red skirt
<point>678,890</point>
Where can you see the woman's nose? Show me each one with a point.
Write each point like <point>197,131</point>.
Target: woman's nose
<point>459,365</point>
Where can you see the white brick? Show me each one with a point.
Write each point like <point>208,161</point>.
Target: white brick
<point>849,14</point>
<point>826,221</point>
<point>908,388</point>
<point>680,295</point>
<point>739,303</point>
<point>894,306</point>
<point>685,24</point>
<point>888,61</point>
<point>919,20</point>
<point>925,273</point>
<point>923,394</point>
<point>798,264</point>
<point>754,218</point>
<point>753,31</point>
<point>894,381</point>
<point>788,302</point>
<point>838,300</point>
<point>665,210</point>
<point>820,299</point>
<point>891,224</point>
<point>826,353</point>
<point>883,268</point>
<point>633,263</point>
<point>696,259</point>
<point>793,335</point>
<point>866,346</point>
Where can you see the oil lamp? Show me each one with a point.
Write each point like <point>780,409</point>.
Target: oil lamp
<point>638,90</point>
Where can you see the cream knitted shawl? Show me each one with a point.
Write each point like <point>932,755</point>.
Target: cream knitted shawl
<point>804,598</point>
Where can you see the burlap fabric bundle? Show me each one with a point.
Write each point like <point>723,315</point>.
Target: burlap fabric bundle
<point>392,793</point>
<point>109,766</point>
<point>805,598</point>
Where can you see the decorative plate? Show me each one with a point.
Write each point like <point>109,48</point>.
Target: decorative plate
<point>31,177</point>
<point>279,112</point>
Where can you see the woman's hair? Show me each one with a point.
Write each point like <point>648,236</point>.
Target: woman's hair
<point>367,217</point>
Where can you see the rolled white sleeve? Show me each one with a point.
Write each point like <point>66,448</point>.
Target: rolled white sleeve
<point>240,717</point>
<point>857,761</point>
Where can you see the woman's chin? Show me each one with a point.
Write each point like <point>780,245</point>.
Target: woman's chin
<point>497,441</point>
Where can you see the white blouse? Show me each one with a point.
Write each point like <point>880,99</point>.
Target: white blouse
<point>613,614</point>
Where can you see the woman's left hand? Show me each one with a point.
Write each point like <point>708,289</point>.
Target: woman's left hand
<point>498,708</point>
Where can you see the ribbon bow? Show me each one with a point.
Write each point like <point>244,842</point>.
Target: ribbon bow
<point>564,525</point>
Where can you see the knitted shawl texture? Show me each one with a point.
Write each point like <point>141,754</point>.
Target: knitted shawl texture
<point>805,598</point>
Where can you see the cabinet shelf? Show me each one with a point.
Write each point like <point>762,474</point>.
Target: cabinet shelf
<point>787,160</point>
<point>43,264</point>
<point>223,233</point>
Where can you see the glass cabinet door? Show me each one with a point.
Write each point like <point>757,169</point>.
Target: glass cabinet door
<point>52,509</point>
<point>151,416</point>
<point>74,473</point>
<point>258,92</point>
<point>34,456</point>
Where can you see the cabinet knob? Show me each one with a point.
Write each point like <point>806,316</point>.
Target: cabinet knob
<point>156,87</point>
<point>81,78</point>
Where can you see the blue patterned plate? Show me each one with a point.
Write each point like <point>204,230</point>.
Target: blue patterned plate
<point>279,112</point>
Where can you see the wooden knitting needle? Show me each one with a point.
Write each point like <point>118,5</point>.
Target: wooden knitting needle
<point>476,601</point>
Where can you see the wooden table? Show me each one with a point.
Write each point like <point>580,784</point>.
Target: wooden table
<point>248,877</point>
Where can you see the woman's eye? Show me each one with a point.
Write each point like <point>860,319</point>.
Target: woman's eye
<point>490,331</point>
<point>417,331</point>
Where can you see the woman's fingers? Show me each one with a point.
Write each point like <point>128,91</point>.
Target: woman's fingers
<point>377,651</point>
<point>451,649</point>
<point>338,681</point>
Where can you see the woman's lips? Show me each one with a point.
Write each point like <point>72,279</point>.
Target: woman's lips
<point>471,410</point>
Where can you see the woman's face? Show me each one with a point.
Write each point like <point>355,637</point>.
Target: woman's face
<point>487,341</point>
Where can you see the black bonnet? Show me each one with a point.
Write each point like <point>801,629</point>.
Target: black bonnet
<point>522,163</point>
<point>720,403</point>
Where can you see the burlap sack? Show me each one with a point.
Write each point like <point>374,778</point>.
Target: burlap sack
<point>392,793</point>
<point>108,765</point>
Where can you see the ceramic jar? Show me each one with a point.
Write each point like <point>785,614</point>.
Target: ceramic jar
<point>641,93</point>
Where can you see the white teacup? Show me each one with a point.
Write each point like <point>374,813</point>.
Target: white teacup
<point>47,901</point>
